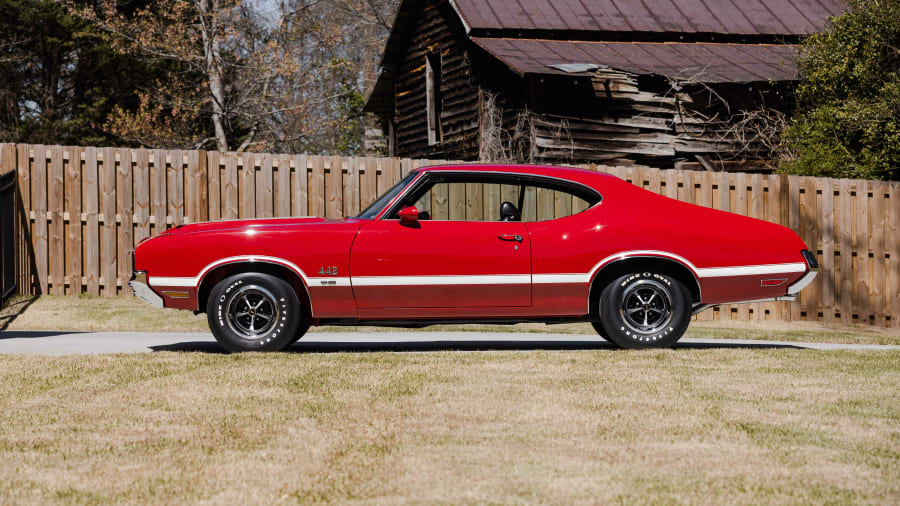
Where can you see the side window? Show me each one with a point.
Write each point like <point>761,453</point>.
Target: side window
<point>475,201</point>
<point>481,200</point>
<point>542,204</point>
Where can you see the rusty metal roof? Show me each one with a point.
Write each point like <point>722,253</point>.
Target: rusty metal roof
<point>742,17</point>
<point>703,62</point>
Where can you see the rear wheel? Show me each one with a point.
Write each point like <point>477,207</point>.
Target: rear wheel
<point>644,310</point>
<point>253,312</point>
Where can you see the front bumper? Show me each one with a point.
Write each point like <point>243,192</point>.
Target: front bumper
<point>141,289</point>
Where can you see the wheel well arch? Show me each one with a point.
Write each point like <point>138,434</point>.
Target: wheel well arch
<point>220,272</point>
<point>660,265</point>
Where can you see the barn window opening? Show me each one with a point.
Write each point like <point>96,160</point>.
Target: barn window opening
<point>433,96</point>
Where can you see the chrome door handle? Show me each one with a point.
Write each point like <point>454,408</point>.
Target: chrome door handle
<point>510,237</point>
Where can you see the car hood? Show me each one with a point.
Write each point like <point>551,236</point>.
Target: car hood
<point>259,224</point>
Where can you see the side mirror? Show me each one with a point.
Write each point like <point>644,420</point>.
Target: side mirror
<point>409,215</point>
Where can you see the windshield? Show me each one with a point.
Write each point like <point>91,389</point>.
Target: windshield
<point>372,211</point>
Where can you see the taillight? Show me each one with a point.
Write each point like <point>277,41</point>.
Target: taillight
<point>810,258</point>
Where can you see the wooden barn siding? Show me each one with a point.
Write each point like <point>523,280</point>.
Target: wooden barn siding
<point>623,119</point>
<point>435,33</point>
<point>82,209</point>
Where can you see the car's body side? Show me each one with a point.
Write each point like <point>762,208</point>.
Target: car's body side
<point>382,269</point>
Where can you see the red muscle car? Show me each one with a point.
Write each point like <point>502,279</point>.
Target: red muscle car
<point>476,243</point>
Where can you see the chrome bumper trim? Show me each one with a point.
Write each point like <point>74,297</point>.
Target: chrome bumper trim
<point>802,283</point>
<point>699,308</point>
<point>141,290</point>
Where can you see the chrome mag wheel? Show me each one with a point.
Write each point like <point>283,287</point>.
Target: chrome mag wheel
<point>252,312</point>
<point>646,307</point>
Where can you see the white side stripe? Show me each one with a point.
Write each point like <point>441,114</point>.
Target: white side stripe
<point>544,279</point>
<point>496,279</point>
<point>490,279</point>
<point>161,281</point>
<point>749,270</point>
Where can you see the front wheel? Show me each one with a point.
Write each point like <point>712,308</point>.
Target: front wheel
<point>253,312</point>
<point>644,310</point>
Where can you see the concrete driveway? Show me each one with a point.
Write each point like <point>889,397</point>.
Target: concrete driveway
<point>71,343</point>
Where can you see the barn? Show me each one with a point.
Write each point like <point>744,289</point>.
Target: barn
<point>662,83</point>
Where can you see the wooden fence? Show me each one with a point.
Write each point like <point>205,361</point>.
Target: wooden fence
<point>82,209</point>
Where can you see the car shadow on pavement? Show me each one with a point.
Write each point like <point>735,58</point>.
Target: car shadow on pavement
<point>32,334</point>
<point>434,346</point>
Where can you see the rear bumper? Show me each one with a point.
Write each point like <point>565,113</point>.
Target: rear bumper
<point>810,258</point>
<point>141,289</point>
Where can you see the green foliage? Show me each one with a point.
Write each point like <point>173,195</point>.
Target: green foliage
<point>848,121</point>
<point>351,126</point>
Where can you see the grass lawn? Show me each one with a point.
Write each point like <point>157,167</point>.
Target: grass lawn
<point>121,314</point>
<point>683,426</point>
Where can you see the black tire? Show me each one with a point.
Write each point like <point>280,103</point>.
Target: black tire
<point>301,331</point>
<point>644,310</point>
<point>253,312</point>
<point>598,327</point>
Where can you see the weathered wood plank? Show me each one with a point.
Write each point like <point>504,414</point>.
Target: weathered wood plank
<point>457,204</point>
<point>56,206</point>
<point>73,227</point>
<point>247,186</point>
<point>125,209</point>
<point>192,187</point>
<point>893,233</point>
<point>142,194</point>
<point>282,193</point>
<point>368,183</point>
<point>92,227</point>
<point>203,184</point>
<point>672,183</point>
<point>317,186</point>
<point>230,202</point>
<point>265,196</point>
<point>826,271</point>
<point>158,191</point>
<point>214,175</point>
<point>39,205</point>
<point>809,216</point>
<point>175,187</point>
<point>334,185</point>
<point>475,201</point>
<point>351,187</point>
<point>861,273</point>
<point>440,201</point>
<point>301,200</point>
<point>108,239</point>
<point>876,219</point>
<point>846,252</point>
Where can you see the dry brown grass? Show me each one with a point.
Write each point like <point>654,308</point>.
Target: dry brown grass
<point>685,426</point>
<point>121,314</point>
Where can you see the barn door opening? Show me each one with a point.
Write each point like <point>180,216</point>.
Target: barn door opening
<point>433,97</point>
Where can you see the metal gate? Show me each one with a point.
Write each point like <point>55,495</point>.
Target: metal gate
<point>7,236</point>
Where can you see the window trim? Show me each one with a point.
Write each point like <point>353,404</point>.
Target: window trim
<point>425,176</point>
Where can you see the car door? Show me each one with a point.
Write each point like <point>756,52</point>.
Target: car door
<point>438,262</point>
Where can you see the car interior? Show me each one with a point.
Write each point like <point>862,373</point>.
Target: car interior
<point>514,192</point>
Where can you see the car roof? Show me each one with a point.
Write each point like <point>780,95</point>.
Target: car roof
<point>583,176</point>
